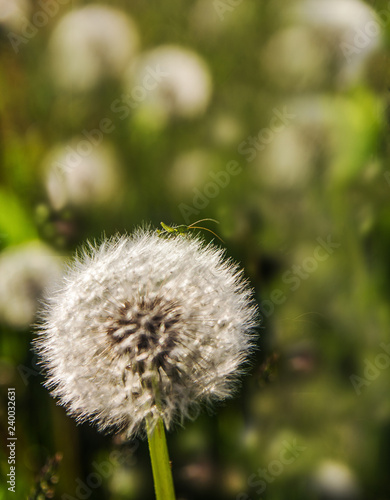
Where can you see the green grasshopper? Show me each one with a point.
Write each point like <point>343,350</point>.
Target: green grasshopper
<point>167,231</point>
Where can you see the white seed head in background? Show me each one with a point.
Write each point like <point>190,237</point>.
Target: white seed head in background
<point>336,480</point>
<point>183,87</point>
<point>146,327</point>
<point>190,169</point>
<point>90,43</point>
<point>14,15</point>
<point>349,30</point>
<point>80,177</point>
<point>26,271</point>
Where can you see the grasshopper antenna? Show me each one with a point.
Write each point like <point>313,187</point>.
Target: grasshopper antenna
<point>206,229</point>
<point>201,220</point>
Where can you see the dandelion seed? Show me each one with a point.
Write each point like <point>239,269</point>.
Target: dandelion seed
<point>144,328</point>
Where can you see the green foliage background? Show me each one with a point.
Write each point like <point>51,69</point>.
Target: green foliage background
<point>317,331</point>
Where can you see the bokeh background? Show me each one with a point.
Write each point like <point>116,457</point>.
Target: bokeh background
<point>269,116</point>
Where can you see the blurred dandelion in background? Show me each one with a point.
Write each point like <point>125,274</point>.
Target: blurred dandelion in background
<point>26,272</point>
<point>89,44</point>
<point>334,480</point>
<point>13,14</point>
<point>81,178</point>
<point>347,32</point>
<point>185,87</point>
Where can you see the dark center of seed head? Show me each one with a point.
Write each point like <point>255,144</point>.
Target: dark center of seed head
<point>145,324</point>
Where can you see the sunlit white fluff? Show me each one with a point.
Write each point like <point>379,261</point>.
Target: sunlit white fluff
<point>146,327</point>
<point>349,30</point>
<point>14,15</point>
<point>26,270</point>
<point>80,174</point>
<point>184,87</point>
<point>91,43</point>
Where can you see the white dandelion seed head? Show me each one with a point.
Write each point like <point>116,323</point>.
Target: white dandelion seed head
<point>333,479</point>
<point>184,87</point>
<point>13,14</point>
<point>190,169</point>
<point>81,180</point>
<point>348,30</point>
<point>288,160</point>
<point>146,327</point>
<point>335,14</point>
<point>26,271</point>
<point>89,43</point>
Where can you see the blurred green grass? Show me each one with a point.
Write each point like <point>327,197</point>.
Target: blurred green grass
<point>323,174</point>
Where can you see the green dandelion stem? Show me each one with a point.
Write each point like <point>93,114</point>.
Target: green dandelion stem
<point>162,475</point>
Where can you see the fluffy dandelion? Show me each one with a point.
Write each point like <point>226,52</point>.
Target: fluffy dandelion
<point>89,44</point>
<point>13,17</point>
<point>26,270</point>
<point>184,88</point>
<point>144,329</point>
<point>81,180</point>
